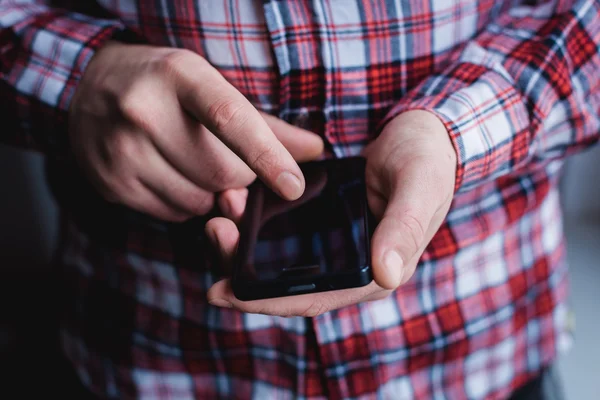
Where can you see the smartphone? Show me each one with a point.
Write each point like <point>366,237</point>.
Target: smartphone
<point>319,242</point>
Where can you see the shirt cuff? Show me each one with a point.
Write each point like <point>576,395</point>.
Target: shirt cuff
<point>485,115</point>
<point>80,58</point>
<point>49,69</point>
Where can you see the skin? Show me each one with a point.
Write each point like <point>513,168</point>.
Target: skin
<point>162,132</point>
<point>410,176</point>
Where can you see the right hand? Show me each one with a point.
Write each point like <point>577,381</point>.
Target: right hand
<point>161,131</point>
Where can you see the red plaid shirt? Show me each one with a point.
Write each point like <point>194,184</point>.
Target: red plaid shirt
<point>517,85</point>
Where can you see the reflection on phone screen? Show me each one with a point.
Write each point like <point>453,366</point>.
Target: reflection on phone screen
<point>323,232</point>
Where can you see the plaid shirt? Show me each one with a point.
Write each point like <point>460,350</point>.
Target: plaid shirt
<point>517,85</point>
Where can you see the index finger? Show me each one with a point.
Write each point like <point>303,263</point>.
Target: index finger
<point>213,101</point>
<point>316,181</point>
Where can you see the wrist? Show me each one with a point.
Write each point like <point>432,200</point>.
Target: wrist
<point>423,125</point>
<point>425,134</point>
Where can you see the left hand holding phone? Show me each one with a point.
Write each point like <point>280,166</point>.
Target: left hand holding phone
<point>410,179</point>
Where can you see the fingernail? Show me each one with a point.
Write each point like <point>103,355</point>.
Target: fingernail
<point>221,303</point>
<point>393,263</point>
<point>289,185</point>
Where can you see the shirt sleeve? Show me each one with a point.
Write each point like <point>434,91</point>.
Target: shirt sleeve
<point>43,52</point>
<point>524,91</point>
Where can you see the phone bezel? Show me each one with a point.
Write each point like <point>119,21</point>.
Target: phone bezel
<point>263,289</point>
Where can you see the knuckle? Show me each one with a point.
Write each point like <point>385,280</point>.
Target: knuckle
<point>316,308</point>
<point>137,105</point>
<point>122,147</point>
<point>172,62</point>
<point>131,105</point>
<point>287,313</point>
<point>265,158</point>
<point>414,229</point>
<point>223,178</point>
<point>226,114</point>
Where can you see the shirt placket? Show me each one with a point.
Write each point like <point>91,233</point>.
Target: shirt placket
<point>295,41</point>
<point>298,37</point>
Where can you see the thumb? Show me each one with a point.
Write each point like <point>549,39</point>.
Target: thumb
<point>401,232</point>
<point>302,144</point>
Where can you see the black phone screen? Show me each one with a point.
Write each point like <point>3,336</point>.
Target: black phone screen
<point>323,232</point>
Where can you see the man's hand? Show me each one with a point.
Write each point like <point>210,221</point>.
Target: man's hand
<point>161,131</point>
<point>410,176</point>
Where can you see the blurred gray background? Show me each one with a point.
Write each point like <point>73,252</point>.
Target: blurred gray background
<point>28,230</point>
